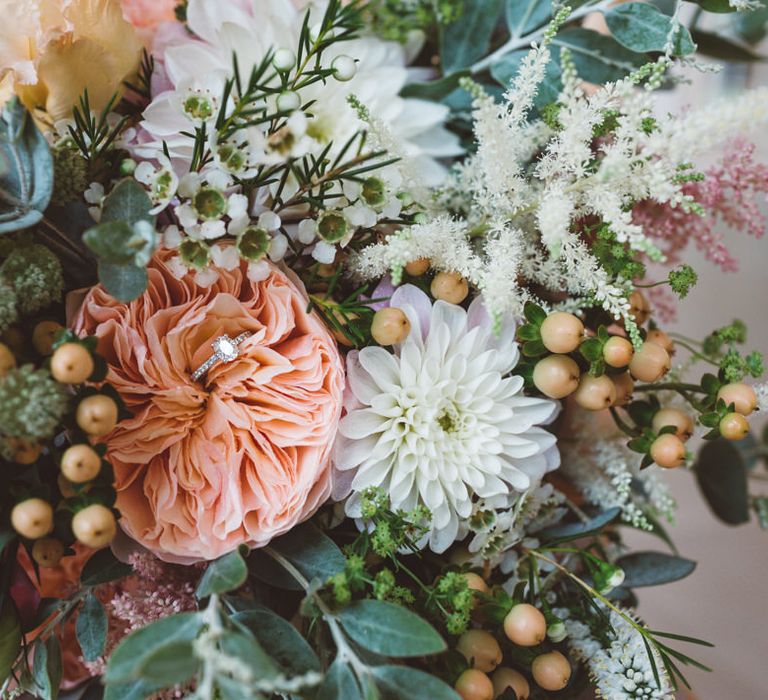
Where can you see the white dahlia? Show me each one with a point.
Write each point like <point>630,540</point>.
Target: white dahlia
<point>442,421</point>
<point>198,64</point>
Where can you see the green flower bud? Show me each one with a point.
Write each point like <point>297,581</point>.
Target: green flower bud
<point>332,226</point>
<point>374,192</point>
<point>253,243</point>
<point>194,253</point>
<point>210,204</point>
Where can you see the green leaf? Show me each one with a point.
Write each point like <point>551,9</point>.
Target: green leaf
<point>725,49</point>
<point>249,652</point>
<point>534,314</point>
<point>223,575</point>
<point>170,664</point>
<point>434,89</point>
<point>598,58</point>
<point>26,169</point>
<point>10,638</point>
<point>46,668</point>
<point>641,27</point>
<point>124,282</point>
<point>467,39</point>
<point>523,16</point>
<point>91,628</point>
<point>389,629</point>
<point>120,243</point>
<point>653,568</point>
<point>6,535</point>
<point>573,531</point>
<point>534,348</point>
<point>722,6</point>
<point>404,683</point>
<point>127,202</point>
<point>137,690</point>
<point>103,567</point>
<point>314,555</point>
<point>591,349</point>
<point>722,478</point>
<point>280,639</point>
<point>126,660</point>
<point>339,684</point>
<point>752,27</point>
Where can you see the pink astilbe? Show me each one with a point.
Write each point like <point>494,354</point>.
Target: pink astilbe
<point>729,195</point>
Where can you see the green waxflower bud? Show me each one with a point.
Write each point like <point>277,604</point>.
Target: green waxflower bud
<point>374,192</point>
<point>194,253</point>
<point>253,243</point>
<point>32,403</point>
<point>332,226</point>
<point>606,575</point>
<point>127,166</point>
<point>210,204</point>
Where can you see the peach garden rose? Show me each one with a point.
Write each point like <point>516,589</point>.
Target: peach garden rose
<point>240,456</point>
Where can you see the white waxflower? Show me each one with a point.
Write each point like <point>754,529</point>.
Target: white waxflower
<point>160,179</point>
<point>440,421</point>
<point>206,205</point>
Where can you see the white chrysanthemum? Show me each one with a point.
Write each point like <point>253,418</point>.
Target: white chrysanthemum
<point>248,30</point>
<point>441,422</point>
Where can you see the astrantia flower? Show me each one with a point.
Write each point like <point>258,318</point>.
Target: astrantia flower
<point>219,30</point>
<point>441,422</point>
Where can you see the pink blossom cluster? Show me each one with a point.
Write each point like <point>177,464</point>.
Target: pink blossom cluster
<point>729,194</point>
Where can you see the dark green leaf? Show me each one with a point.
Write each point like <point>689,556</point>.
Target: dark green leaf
<point>280,639</point>
<point>170,664</point>
<point>6,535</point>
<point>752,27</point>
<point>137,690</point>
<point>653,568</point>
<point>641,27</point>
<point>404,683</point>
<point>598,58</point>
<point>127,202</point>
<point>126,660</point>
<point>46,668</point>
<point>124,282</point>
<point>468,38</point>
<point>723,6</point>
<point>523,16</point>
<point>718,46</point>
<point>591,349</point>
<point>435,89</point>
<point>534,314</point>
<point>339,684</point>
<point>103,567</point>
<point>10,638</point>
<point>223,575</point>
<point>389,629</point>
<point>534,348</point>
<point>314,555</point>
<point>26,169</point>
<point>722,478</point>
<point>528,332</point>
<point>573,531</point>
<point>249,652</point>
<point>91,628</point>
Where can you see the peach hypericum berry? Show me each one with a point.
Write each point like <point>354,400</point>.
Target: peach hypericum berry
<point>94,526</point>
<point>679,420</point>
<point>525,625</point>
<point>71,363</point>
<point>668,451</point>
<point>32,518</point>
<point>650,363</point>
<point>595,393</point>
<point>561,332</point>
<point>551,671</point>
<point>450,287</point>
<point>741,395</point>
<point>556,376</point>
<point>618,351</point>
<point>390,325</point>
<point>480,649</point>
<point>733,426</point>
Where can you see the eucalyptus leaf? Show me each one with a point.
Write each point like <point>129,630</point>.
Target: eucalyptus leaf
<point>124,282</point>
<point>722,478</point>
<point>404,683</point>
<point>103,567</point>
<point>313,554</point>
<point>434,89</point>
<point>250,653</point>
<point>136,690</point>
<point>390,630</point>
<point>339,684</point>
<point>523,16</point>
<point>91,628</point>
<point>598,58</point>
<point>121,243</point>
<point>125,662</point>
<point>641,27</point>
<point>10,638</point>
<point>653,568</point>
<point>467,39</point>
<point>223,575</point>
<point>720,6</point>
<point>170,664</point>
<point>46,668</point>
<point>280,640</point>
<point>573,531</point>
<point>128,202</point>
<point>26,169</point>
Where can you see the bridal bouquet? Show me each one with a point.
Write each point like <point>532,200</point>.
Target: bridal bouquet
<point>337,343</point>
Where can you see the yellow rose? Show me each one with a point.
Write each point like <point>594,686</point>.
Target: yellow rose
<point>52,50</point>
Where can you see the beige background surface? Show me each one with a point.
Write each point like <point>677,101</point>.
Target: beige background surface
<point>726,599</point>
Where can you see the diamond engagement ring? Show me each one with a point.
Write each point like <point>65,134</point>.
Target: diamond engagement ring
<point>225,349</point>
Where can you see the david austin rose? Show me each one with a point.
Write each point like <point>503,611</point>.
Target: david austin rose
<point>52,50</point>
<point>240,456</point>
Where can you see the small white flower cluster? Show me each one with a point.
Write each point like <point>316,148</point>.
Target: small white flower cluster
<point>621,671</point>
<point>608,475</point>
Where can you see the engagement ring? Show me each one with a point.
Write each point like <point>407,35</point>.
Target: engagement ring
<point>225,349</point>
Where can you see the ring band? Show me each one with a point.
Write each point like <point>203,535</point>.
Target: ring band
<point>225,349</point>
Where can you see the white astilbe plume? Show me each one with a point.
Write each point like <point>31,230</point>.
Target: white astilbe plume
<point>622,670</point>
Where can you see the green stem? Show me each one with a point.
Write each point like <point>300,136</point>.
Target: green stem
<point>671,386</point>
<point>625,427</point>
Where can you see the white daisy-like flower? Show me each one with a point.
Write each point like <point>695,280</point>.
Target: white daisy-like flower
<point>248,29</point>
<point>441,421</point>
